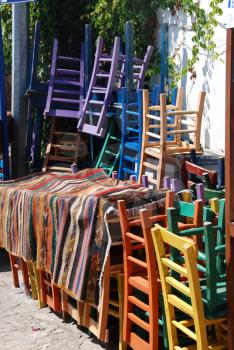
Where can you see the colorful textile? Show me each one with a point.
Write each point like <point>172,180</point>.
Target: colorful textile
<point>61,220</point>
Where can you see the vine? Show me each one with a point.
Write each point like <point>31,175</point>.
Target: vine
<point>108,18</point>
<point>203,27</point>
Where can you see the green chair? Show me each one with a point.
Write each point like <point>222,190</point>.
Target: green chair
<point>211,255</point>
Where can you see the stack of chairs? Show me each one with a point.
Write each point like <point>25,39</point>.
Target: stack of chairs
<point>208,181</point>
<point>65,100</point>
<point>129,135</point>
<point>189,284</point>
<point>188,324</point>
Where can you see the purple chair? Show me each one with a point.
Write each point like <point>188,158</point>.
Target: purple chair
<point>94,114</point>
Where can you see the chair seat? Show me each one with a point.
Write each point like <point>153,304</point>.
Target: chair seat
<point>170,149</point>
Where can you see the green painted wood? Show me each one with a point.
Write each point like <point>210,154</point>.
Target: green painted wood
<point>110,152</point>
<point>211,259</point>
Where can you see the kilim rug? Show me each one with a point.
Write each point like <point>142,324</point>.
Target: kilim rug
<point>62,222</point>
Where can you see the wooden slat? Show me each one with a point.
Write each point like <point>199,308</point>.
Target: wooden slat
<point>182,131</point>
<point>178,285</point>
<point>183,113</point>
<point>58,168</point>
<point>171,264</point>
<point>61,159</point>
<point>137,342</point>
<point>185,330</point>
<point>135,237</point>
<point>151,134</point>
<point>140,283</point>
<point>151,166</point>
<point>114,313</point>
<point>154,117</point>
<point>138,303</point>
<point>157,108</point>
<point>139,321</point>
<point>137,261</point>
<point>180,304</point>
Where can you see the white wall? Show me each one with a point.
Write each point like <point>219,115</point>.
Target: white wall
<point>210,75</point>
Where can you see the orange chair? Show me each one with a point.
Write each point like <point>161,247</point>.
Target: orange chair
<point>141,309</point>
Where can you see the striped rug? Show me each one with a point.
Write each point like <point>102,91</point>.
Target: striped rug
<point>61,221</point>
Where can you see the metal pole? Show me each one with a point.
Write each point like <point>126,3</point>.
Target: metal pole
<point>19,85</point>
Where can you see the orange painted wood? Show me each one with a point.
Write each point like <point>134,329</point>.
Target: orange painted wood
<point>49,293</point>
<point>190,168</point>
<point>14,270</point>
<point>135,279</point>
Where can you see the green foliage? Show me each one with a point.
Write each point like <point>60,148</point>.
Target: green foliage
<point>203,26</point>
<point>64,19</point>
<point>108,18</point>
<point>59,18</point>
<point>7,37</point>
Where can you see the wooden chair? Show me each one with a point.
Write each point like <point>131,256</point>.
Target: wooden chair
<point>185,295</point>
<point>190,170</point>
<point>155,144</point>
<point>140,278</point>
<point>30,277</point>
<point>96,318</point>
<point>138,286</point>
<point>34,282</point>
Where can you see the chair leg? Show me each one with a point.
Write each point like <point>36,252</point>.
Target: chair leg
<point>120,279</point>
<point>104,307</point>
<point>99,327</point>
<point>80,309</point>
<point>64,301</point>
<point>14,270</point>
<point>43,293</point>
<point>32,279</point>
<point>38,286</point>
<point>56,298</point>
<point>25,276</point>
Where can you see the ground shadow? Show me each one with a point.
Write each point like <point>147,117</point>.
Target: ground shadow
<point>4,261</point>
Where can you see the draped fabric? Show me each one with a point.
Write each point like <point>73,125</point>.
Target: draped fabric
<point>61,221</point>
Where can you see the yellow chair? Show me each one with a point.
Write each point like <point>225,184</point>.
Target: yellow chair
<point>184,295</point>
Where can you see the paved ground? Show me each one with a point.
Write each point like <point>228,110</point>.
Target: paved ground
<point>23,326</point>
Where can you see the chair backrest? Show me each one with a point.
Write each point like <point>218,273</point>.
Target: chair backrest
<point>188,122</point>
<point>211,252</point>
<point>152,121</point>
<point>189,299</point>
<point>139,274</point>
<point>194,169</point>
